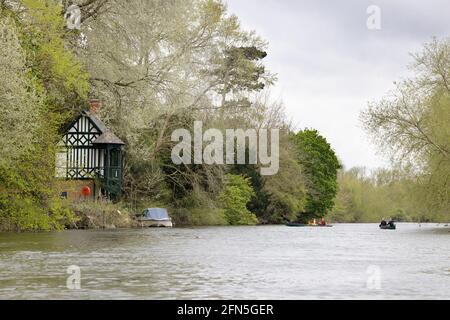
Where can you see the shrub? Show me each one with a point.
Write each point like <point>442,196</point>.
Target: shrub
<point>234,198</point>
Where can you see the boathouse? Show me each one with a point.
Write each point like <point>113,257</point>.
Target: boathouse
<point>89,161</point>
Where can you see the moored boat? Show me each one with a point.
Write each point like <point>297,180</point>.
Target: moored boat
<point>155,217</point>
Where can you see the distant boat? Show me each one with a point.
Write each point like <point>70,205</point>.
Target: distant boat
<point>295,224</point>
<point>387,226</point>
<point>155,217</point>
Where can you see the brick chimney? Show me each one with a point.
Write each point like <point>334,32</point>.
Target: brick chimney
<point>94,105</point>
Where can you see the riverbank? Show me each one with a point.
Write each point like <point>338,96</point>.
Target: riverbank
<point>108,215</point>
<point>102,215</point>
<point>112,216</point>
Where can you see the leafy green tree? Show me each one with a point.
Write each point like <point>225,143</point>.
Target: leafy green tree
<point>58,70</point>
<point>240,70</point>
<point>286,189</point>
<point>38,75</point>
<point>320,166</point>
<point>411,126</point>
<point>280,197</point>
<point>369,196</point>
<point>235,196</point>
<point>149,78</point>
<point>194,63</point>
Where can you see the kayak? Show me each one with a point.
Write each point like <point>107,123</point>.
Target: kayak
<point>387,227</point>
<point>294,224</point>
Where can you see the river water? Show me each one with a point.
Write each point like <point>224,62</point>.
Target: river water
<point>348,261</point>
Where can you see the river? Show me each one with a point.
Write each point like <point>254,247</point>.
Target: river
<point>348,261</point>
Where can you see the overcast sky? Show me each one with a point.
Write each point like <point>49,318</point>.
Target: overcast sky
<point>330,65</point>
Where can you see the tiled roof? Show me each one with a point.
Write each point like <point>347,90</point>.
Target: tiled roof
<point>108,138</point>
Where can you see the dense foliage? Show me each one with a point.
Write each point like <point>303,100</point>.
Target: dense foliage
<point>412,126</point>
<point>320,166</point>
<point>235,195</point>
<point>194,63</point>
<point>365,196</point>
<point>38,77</point>
<point>158,66</point>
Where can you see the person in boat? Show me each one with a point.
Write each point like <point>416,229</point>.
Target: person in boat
<point>391,223</point>
<point>383,223</point>
<point>322,222</point>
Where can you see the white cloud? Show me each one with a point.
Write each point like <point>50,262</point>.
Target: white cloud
<point>330,65</point>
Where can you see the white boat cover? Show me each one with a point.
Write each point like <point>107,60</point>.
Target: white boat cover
<point>156,214</point>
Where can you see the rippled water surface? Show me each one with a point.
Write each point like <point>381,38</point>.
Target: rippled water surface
<point>262,262</point>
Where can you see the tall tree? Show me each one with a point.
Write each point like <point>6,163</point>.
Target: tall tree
<point>281,196</point>
<point>411,125</point>
<point>152,63</point>
<point>38,77</point>
<point>320,166</point>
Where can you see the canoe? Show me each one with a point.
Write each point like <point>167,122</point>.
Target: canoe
<point>387,227</point>
<point>294,224</point>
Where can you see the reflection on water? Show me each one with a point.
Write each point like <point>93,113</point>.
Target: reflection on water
<point>262,262</point>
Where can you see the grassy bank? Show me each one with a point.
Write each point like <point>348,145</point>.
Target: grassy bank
<point>108,215</point>
<point>102,215</point>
